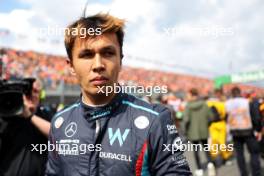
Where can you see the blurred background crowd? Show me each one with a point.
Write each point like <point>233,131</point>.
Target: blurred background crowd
<point>52,69</point>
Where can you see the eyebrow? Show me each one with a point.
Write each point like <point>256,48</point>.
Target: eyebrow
<point>108,47</point>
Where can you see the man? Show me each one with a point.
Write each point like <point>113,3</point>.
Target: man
<point>196,117</point>
<point>17,135</point>
<point>129,135</point>
<point>241,126</point>
<point>217,129</point>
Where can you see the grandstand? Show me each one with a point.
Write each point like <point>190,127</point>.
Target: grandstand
<point>60,86</point>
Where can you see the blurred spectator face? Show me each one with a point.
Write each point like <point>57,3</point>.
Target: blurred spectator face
<point>236,92</point>
<point>189,96</point>
<point>218,93</point>
<point>96,62</point>
<point>192,94</point>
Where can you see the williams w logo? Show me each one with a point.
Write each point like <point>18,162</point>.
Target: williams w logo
<point>117,135</point>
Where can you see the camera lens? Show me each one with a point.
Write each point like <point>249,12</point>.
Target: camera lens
<point>11,104</point>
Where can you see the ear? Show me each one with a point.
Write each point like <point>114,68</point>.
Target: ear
<point>70,64</point>
<point>121,59</point>
<point>121,62</point>
<point>120,67</point>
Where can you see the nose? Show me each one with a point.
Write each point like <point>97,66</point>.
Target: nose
<point>98,65</point>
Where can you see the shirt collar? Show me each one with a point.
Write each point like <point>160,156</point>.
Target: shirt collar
<point>92,113</point>
<point>92,106</point>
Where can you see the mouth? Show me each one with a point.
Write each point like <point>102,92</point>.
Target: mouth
<point>99,80</point>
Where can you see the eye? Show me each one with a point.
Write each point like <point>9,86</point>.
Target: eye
<point>86,54</point>
<point>108,53</point>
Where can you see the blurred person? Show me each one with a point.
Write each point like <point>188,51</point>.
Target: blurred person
<point>163,99</point>
<point>242,123</point>
<point>261,109</point>
<point>196,117</point>
<point>130,132</point>
<point>2,52</point>
<point>181,108</point>
<point>257,120</point>
<point>175,104</point>
<point>18,133</point>
<point>217,129</point>
<point>254,107</point>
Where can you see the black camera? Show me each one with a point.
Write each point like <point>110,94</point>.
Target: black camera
<point>11,96</point>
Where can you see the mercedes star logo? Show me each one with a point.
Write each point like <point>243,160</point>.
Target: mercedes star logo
<point>71,129</point>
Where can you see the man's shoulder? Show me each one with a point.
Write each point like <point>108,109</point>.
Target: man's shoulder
<point>237,100</point>
<point>142,106</point>
<point>229,101</point>
<point>145,114</point>
<point>66,112</point>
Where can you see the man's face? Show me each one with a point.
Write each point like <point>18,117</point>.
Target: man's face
<point>218,95</point>
<point>96,62</point>
<point>189,96</point>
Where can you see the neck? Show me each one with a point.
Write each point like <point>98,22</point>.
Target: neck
<point>97,100</point>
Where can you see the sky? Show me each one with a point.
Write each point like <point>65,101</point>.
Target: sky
<point>207,38</point>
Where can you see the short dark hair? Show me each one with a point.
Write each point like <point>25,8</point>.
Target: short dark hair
<point>107,24</point>
<point>2,51</point>
<point>194,92</point>
<point>218,91</point>
<point>235,92</point>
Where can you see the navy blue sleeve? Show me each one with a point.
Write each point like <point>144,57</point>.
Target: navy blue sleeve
<point>165,158</point>
<point>52,167</point>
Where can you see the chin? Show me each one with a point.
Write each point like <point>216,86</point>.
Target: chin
<point>94,91</point>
